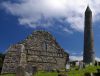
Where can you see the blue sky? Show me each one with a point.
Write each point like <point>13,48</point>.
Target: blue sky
<point>63,18</point>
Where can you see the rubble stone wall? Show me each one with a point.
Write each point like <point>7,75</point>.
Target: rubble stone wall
<point>40,49</point>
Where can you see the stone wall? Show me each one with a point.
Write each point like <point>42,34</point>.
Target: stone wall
<point>40,49</point>
<point>12,59</point>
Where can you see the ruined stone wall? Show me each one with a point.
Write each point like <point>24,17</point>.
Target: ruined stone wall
<point>39,49</point>
<point>12,59</point>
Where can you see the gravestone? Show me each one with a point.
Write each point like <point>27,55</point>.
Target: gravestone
<point>48,68</point>
<point>80,65</point>
<point>28,70</point>
<point>34,69</point>
<point>20,71</point>
<point>67,67</point>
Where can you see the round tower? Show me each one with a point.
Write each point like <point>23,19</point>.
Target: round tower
<point>89,54</point>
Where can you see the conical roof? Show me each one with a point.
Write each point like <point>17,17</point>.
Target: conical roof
<point>88,9</point>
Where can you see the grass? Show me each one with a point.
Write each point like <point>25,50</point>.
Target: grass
<point>37,74</point>
<point>73,72</point>
<point>8,75</point>
<point>81,72</point>
<point>47,74</point>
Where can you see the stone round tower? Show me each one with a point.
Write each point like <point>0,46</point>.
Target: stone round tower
<point>89,54</point>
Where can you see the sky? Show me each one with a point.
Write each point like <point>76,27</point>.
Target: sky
<point>64,19</point>
<point>80,58</point>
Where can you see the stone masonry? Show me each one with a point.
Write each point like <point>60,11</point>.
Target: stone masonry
<point>89,52</point>
<point>40,50</point>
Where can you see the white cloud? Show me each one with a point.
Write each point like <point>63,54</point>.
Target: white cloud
<point>75,58</point>
<point>76,53</point>
<point>30,12</point>
<point>97,59</point>
<point>67,30</point>
<point>80,58</point>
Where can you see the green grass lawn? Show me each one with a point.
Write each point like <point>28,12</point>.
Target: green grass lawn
<point>8,75</point>
<point>81,72</point>
<point>37,74</point>
<point>46,74</point>
<point>70,73</point>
